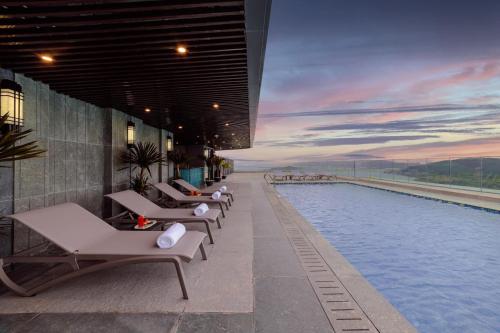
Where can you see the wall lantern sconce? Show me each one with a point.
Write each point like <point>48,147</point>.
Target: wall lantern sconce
<point>11,102</point>
<point>130,134</point>
<point>170,143</point>
<point>207,152</point>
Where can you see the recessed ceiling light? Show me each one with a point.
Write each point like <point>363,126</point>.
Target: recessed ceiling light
<point>226,124</point>
<point>180,127</point>
<point>181,49</point>
<point>215,106</point>
<point>147,110</point>
<point>233,134</point>
<point>46,58</point>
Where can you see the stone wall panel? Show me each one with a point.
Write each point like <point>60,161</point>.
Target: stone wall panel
<point>81,164</point>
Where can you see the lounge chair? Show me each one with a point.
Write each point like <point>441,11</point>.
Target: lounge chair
<point>139,205</point>
<point>181,198</point>
<point>189,187</point>
<point>87,238</point>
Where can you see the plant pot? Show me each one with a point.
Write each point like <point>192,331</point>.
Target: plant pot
<point>209,182</point>
<point>218,179</point>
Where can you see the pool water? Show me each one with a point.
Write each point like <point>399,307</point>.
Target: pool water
<point>437,263</point>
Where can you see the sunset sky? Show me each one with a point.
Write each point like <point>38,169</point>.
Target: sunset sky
<point>378,79</point>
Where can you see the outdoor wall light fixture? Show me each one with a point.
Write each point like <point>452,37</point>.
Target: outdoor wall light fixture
<point>46,58</point>
<point>130,134</point>
<point>226,124</point>
<point>180,127</point>
<point>181,49</point>
<point>215,106</point>
<point>170,143</point>
<point>11,102</point>
<point>147,110</point>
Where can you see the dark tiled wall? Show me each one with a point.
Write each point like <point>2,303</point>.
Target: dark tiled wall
<point>81,163</point>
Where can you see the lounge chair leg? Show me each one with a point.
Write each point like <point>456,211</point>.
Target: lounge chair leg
<point>222,210</point>
<point>209,232</point>
<point>202,251</point>
<point>231,196</point>
<point>227,207</point>
<point>180,275</point>
<point>11,284</point>
<point>218,223</point>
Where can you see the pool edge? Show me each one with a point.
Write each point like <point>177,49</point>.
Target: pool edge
<point>383,315</point>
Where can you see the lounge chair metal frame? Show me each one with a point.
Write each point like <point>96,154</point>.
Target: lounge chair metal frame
<point>87,238</point>
<point>180,201</point>
<point>163,220</point>
<point>184,184</point>
<point>74,260</point>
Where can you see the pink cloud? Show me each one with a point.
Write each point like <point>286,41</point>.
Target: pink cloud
<point>468,74</point>
<point>470,148</point>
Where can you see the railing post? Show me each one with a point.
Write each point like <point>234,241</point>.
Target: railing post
<point>481,174</point>
<point>407,166</point>
<point>449,172</point>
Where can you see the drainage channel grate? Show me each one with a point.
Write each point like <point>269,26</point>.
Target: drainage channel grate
<point>342,311</point>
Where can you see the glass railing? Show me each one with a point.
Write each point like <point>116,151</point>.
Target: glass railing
<point>467,173</point>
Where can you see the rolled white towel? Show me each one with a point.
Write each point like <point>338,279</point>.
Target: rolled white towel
<point>171,236</point>
<point>201,209</point>
<point>223,189</point>
<point>216,195</point>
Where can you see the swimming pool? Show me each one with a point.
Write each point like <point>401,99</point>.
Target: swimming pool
<point>437,263</point>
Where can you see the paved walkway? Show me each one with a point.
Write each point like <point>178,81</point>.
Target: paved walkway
<point>463,197</point>
<point>258,278</point>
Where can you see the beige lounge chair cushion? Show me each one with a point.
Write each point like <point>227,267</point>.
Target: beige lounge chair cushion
<point>143,243</point>
<point>139,205</point>
<point>179,196</point>
<point>76,230</point>
<point>190,187</point>
<point>68,225</point>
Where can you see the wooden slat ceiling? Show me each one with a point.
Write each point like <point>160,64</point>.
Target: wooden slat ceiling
<point>122,54</point>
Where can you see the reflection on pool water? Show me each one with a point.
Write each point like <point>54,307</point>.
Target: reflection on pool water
<point>437,263</point>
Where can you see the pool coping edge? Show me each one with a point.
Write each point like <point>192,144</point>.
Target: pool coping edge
<point>384,316</point>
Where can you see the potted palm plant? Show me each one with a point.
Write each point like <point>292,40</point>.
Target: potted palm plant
<point>225,166</point>
<point>141,156</point>
<point>209,161</point>
<point>11,150</point>
<point>218,161</point>
<point>180,160</point>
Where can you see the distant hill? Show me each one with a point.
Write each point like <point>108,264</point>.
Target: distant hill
<point>464,172</point>
<point>287,169</point>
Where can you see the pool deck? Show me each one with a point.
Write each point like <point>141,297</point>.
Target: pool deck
<point>490,201</point>
<point>268,271</point>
